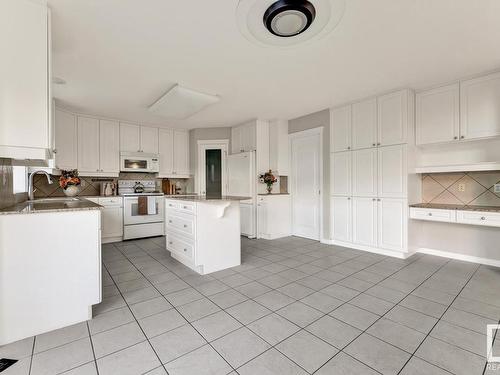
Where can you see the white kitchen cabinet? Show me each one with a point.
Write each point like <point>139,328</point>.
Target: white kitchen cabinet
<point>340,128</point>
<point>394,116</point>
<point>243,137</point>
<point>24,76</point>
<point>88,145</point>
<point>364,221</point>
<point>438,115</point>
<point>149,140</point>
<point>341,218</point>
<point>181,152</point>
<point>166,151</point>
<point>392,223</point>
<point>392,171</point>
<point>364,124</point>
<point>340,173</point>
<point>247,219</point>
<point>130,137</point>
<point>66,136</point>
<point>109,146</point>
<point>480,107</point>
<point>111,221</point>
<point>279,159</point>
<point>174,153</point>
<point>274,216</point>
<point>364,173</point>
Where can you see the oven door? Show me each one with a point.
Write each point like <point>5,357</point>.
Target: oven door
<point>131,211</point>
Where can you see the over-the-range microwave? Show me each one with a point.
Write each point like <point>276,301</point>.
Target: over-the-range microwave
<point>139,162</point>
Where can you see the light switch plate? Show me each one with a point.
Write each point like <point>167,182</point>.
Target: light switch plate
<point>496,188</point>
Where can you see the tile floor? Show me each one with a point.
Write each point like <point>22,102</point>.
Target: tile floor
<point>294,306</point>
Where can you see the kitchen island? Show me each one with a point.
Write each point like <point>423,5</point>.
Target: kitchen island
<point>203,232</point>
<point>50,265</point>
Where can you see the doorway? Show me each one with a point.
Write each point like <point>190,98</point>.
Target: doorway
<point>212,156</point>
<point>306,148</point>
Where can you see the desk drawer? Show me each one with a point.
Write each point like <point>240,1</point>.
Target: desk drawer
<point>490,219</point>
<point>433,214</point>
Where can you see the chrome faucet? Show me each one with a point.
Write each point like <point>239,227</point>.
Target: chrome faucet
<point>31,191</point>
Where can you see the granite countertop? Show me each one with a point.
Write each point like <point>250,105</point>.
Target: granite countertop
<point>457,207</point>
<point>204,198</point>
<point>265,194</point>
<point>51,205</point>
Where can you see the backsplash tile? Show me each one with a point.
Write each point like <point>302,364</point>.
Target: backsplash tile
<point>7,197</point>
<point>443,188</point>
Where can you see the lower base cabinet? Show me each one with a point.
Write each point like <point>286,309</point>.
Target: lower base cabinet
<point>274,212</point>
<point>369,223</point>
<point>111,218</point>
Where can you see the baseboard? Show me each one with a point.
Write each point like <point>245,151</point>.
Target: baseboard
<point>375,250</point>
<point>457,256</point>
<point>111,239</point>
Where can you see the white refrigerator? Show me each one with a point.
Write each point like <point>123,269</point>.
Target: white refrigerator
<point>242,181</point>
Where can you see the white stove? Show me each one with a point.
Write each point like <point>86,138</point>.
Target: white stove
<point>139,222</point>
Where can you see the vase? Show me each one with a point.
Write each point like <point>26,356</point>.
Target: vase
<point>72,190</point>
<point>269,189</point>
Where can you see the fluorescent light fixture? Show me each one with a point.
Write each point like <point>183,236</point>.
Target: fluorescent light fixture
<point>180,103</point>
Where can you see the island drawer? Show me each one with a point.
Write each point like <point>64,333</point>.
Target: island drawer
<point>171,204</point>
<point>187,207</point>
<point>179,246</point>
<point>432,214</point>
<point>184,224</point>
<point>491,219</point>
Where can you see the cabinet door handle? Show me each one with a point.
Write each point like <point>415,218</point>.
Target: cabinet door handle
<point>455,137</point>
<point>373,199</point>
<point>483,218</point>
<point>185,250</point>
<point>348,147</point>
<point>170,221</point>
<point>378,144</point>
<point>185,226</point>
<point>348,198</point>
<point>378,199</point>
<point>462,136</point>
<point>374,144</point>
<point>170,242</point>
<point>430,214</point>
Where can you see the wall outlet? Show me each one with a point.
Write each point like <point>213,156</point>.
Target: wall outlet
<point>496,188</point>
<point>461,187</point>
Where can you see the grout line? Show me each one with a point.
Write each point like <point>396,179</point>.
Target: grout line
<point>32,354</point>
<point>92,346</point>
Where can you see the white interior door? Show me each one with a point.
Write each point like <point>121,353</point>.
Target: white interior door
<point>306,183</point>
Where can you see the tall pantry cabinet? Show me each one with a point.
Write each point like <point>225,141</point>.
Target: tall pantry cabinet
<point>370,144</point>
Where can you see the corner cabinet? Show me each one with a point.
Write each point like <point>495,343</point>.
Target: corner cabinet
<point>25,75</point>
<point>174,153</point>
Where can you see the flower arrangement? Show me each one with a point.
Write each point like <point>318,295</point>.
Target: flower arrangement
<point>69,178</point>
<point>269,179</point>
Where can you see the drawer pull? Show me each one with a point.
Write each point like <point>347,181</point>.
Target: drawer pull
<point>170,242</point>
<point>483,218</point>
<point>185,207</point>
<point>430,214</point>
<point>185,226</point>
<point>170,205</point>
<point>185,250</point>
<point>170,221</point>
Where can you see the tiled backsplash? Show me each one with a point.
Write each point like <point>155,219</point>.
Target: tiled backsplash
<point>7,197</point>
<point>91,186</point>
<point>471,188</point>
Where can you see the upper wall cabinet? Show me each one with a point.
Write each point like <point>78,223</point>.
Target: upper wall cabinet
<point>149,140</point>
<point>24,77</point>
<point>480,107</point>
<point>395,115</point>
<point>364,124</point>
<point>438,115</point>
<point>459,112</point>
<point>98,147</point>
<point>65,151</point>
<point>243,137</point>
<point>174,153</point>
<point>383,121</point>
<point>279,159</point>
<point>135,138</point>
<point>340,128</point>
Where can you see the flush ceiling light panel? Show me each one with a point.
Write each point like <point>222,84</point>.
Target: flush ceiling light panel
<point>285,23</point>
<point>180,103</point>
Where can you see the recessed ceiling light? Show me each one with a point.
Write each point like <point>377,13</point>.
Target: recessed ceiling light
<point>287,18</point>
<point>285,23</point>
<point>58,81</point>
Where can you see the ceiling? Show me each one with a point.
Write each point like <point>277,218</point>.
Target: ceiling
<point>120,56</point>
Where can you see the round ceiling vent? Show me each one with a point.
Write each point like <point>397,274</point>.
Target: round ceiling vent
<point>285,23</point>
<point>286,18</point>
